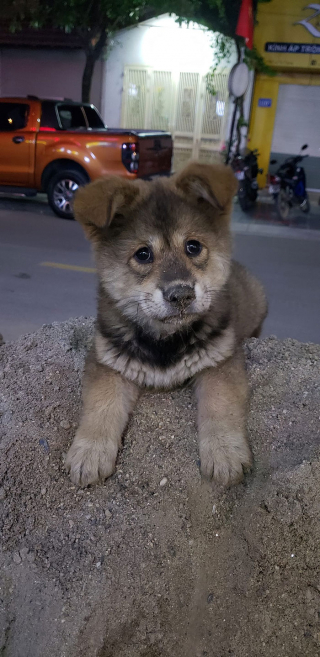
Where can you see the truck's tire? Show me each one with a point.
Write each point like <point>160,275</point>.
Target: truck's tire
<point>61,189</point>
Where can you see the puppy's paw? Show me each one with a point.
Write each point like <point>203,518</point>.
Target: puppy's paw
<point>90,461</point>
<point>224,459</point>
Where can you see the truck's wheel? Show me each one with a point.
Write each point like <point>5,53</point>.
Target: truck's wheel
<point>61,189</point>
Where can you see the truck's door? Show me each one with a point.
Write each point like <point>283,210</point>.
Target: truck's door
<point>17,143</point>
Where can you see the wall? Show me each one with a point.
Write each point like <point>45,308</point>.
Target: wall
<point>160,43</point>
<point>46,73</point>
<point>297,123</point>
<point>292,29</point>
<point>301,124</point>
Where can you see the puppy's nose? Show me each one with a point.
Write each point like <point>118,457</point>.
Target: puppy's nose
<point>179,295</point>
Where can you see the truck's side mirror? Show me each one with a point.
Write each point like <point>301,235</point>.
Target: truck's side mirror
<point>303,148</point>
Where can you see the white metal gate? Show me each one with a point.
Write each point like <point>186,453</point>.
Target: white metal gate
<point>180,103</point>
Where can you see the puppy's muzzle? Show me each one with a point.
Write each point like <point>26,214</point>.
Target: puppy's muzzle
<point>179,296</point>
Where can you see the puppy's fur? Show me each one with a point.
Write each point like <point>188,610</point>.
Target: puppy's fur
<point>175,317</point>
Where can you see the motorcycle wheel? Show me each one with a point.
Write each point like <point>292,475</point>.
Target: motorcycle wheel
<point>282,205</point>
<point>305,205</point>
<point>244,202</point>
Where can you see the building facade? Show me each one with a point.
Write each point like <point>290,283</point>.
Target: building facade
<point>46,63</point>
<point>155,78</point>
<point>285,110</point>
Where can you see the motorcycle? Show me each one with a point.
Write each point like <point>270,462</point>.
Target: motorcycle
<point>288,185</point>
<point>246,170</point>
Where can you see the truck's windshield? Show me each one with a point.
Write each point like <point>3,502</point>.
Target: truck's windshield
<point>93,117</point>
<point>71,117</point>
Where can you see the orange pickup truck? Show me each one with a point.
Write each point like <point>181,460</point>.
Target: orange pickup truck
<point>53,146</point>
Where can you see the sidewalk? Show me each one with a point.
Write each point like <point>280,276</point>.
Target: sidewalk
<point>263,220</point>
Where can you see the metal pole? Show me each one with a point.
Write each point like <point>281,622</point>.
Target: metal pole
<point>232,129</point>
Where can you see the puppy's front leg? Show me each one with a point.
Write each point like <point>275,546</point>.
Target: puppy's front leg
<point>222,394</point>
<point>108,399</point>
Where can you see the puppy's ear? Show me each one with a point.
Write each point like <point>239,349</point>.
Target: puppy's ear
<point>214,183</point>
<point>96,204</point>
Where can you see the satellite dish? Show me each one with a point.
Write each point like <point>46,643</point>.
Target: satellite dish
<point>238,80</point>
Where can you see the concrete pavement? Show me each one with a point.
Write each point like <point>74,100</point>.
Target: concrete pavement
<point>32,294</point>
<point>286,258</point>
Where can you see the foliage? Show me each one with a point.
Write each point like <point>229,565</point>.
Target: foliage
<point>222,17</point>
<point>83,16</point>
<point>255,61</point>
<point>95,21</point>
<point>86,16</point>
<point>242,123</point>
<point>224,48</point>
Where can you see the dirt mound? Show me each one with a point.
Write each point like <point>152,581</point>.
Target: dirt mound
<point>155,563</point>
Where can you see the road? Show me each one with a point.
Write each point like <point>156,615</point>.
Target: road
<point>46,270</point>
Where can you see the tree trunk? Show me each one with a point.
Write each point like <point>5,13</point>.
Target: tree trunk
<point>91,59</point>
<point>93,51</point>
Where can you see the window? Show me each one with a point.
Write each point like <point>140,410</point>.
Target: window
<point>93,117</point>
<point>49,117</point>
<point>13,116</point>
<point>71,117</point>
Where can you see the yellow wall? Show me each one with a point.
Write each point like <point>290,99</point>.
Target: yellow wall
<point>263,118</point>
<point>280,21</point>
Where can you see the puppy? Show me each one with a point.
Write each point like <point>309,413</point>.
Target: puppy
<point>172,307</point>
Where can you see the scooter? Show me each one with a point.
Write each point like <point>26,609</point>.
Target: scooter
<point>246,170</point>
<point>288,185</point>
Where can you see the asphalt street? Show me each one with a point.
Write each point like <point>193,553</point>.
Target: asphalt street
<point>46,269</point>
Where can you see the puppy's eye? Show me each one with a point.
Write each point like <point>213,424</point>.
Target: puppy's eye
<point>144,255</point>
<point>193,248</point>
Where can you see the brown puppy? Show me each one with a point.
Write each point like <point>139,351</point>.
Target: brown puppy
<point>172,307</point>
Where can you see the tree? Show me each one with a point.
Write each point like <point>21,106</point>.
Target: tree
<point>94,21</point>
